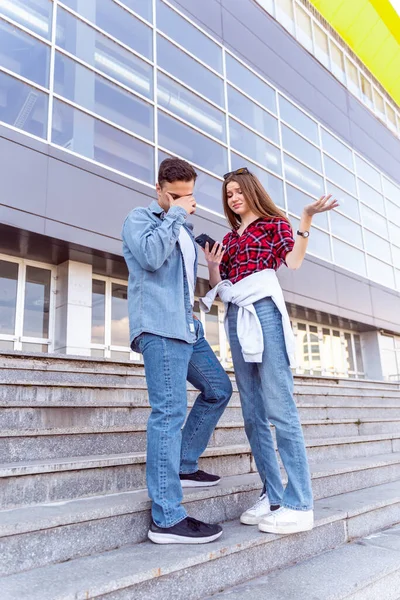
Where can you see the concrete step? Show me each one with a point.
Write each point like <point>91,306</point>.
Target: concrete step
<point>53,532</point>
<point>83,440</point>
<point>151,572</point>
<point>369,569</point>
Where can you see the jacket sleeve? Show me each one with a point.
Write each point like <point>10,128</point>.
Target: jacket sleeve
<point>151,244</point>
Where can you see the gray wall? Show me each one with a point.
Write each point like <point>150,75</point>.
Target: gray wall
<point>51,193</point>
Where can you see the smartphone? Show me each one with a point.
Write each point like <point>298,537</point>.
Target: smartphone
<point>203,239</point>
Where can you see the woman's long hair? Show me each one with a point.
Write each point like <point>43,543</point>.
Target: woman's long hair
<point>259,201</point>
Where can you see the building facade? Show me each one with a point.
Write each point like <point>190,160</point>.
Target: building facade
<point>95,93</point>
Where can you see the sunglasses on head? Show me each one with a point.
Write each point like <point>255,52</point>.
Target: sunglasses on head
<point>241,171</point>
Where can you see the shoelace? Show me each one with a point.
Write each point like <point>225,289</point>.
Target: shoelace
<point>259,502</point>
<point>193,524</point>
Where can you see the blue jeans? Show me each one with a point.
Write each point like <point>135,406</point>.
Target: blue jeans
<point>169,363</point>
<point>266,394</point>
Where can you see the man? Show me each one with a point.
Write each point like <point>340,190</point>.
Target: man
<point>161,255</point>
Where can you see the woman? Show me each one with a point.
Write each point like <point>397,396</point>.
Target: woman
<point>262,342</point>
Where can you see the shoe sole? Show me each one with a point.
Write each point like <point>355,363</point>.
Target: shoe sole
<point>283,530</point>
<point>187,483</point>
<point>167,538</point>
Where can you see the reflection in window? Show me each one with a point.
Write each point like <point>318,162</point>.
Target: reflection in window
<point>319,242</point>
<point>338,150</point>
<point>107,56</point>
<point>35,15</point>
<point>144,9</point>
<point>97,94</point>
<point>298,120</point>
<point>255,147</point>
<point>303,177</point>
<point>394,232</point>
<point>23,54</point>
<point>37,302</point>
<point>349,258</point>
<point>119,315</point>
<point>297,200</point>
<point>98,311</point>
<point>367,172</point>
<point>272,184</point>
<point>380,272</point>
<point>244,79</point>
<point>348,204</point>
<point>374,221</point>
<point>377,246</point>
<point>247,111</point>
<point>191,145</point>
<point>188,36</point>
<point>339,174</point>
<point>190,107</point>
<point>23,106</point>
<point>89,137</point>
<point>391,190</point>
<point>369,196</point>
<point>346,229</point>
<point>8,297</point>
<point>189,71</point>
<point>393,212</point>
<point>294,143</point>
<point>208,192</point>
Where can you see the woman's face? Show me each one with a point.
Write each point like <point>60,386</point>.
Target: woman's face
<point>235,198</point>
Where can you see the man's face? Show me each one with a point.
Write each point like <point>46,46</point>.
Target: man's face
<point>176,189</point>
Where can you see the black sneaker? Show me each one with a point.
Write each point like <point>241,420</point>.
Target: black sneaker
<point>188,531</point>
<point>199,479</point>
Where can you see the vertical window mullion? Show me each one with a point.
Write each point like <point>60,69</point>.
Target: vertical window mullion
<point>155,95</point>
<point>107,324</point>
<point>51,72</point>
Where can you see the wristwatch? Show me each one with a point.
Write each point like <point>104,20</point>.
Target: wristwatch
<point>303,234</point>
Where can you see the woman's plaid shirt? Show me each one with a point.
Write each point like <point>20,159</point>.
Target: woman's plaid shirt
<point>263,245</point>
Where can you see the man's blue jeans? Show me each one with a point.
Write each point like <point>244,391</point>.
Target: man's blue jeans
<point>266,395</point>
<point>169,363</point>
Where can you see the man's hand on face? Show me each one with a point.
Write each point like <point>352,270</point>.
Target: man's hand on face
<point>188,203</point>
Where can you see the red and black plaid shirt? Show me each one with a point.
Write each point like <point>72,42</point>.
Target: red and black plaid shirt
<point>263,245</point>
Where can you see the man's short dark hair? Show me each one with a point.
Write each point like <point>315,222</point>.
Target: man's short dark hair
<point>175,169</point>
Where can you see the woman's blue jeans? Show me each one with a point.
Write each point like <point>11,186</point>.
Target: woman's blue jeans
<point>266,394</point>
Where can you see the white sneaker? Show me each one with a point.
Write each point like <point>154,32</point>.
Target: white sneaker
<point>285,520</point>
<point>256,513</point>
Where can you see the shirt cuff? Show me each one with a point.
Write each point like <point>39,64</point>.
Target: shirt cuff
<point>177,213</point>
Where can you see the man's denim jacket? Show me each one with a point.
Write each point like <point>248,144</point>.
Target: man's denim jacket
<point>158,291</point>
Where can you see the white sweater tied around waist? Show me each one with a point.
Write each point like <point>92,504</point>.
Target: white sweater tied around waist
<point>263,284</point>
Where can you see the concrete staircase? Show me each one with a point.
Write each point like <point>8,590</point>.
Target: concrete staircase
<point>74,514</point>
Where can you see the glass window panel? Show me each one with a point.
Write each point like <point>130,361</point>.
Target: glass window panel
<point>391,116</point>
<point>107,56</point>
<point>366,91</point>
<point>298,146</point>
<point>122,356</point>
<point>85,135</point>
<point>285,14</point>
<point>8,296</point>
<point>321,48</point>
<point>255,147</point>
<point>212,329</point>
<point>337,62</point>
<point>255,87</point>
<point>318,242</point>
<point>297,119</point>
<point>349,258</point>
<point>359,358</point>
<point>30,347</point>
<point>394,233</point>
<point>208,192</point>
<point>303,177</point>
<point>377,246</point>
<point>35,15</point>
<point>303,28</point>
<point>23,54</point>
<point>339,174</point>
<point>380,272</point>
<point>97,94</point>
<point>272,184</point>
<point>189,71</point>
<point>397,272</point>
<point>338,150</point>
<point>188,36</point>
<point>352,77</point>
<point>37,302</point>
<point>391,190</point>
<point>364,170</point>
<point>118,22</point>
<point>393,212</point>
<point>346,229</point>
<point>297,200</point>
<point>348,204</point>
<point>98,311</point>
<point>190,107</point>
<point>252,114</point>
<point>396,255</point>
<point>119,315</point>
<point>370,196</point>
<point>374,221</point>
<point>144,9</point>
<point>23,106</point>
<point>191,145</point>
<point>379,104</point>
<point>348,350</point>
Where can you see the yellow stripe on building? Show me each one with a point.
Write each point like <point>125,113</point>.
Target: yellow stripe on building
<point>372,30</point>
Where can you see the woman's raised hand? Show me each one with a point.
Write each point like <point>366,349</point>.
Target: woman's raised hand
<point>322,205</point>
<point>214,256</point>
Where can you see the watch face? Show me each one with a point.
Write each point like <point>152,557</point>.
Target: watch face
<point>306,234</point>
